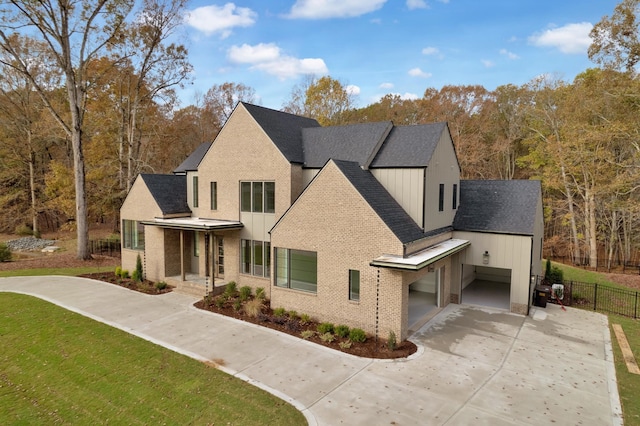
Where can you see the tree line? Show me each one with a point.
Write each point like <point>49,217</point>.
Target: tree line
<point>88,101</point>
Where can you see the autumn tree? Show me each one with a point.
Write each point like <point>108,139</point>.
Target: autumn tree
<point>325,99</point>
<point>615,42</point>
<point>221,99</point>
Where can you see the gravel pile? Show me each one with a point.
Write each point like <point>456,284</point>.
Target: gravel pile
<point>28,244</point>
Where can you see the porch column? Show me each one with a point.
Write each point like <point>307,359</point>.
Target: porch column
<point>182,273</point>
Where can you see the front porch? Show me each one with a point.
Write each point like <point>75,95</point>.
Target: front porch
<point>196,285</point>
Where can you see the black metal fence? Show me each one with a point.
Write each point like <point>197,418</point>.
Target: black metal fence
<point>601,298</point>
<point>105,247</point>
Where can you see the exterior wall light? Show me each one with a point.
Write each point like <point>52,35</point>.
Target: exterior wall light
<point>485,257</point>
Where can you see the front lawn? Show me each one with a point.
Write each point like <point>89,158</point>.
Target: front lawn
<point>57,367</point>
<point>628,384</point>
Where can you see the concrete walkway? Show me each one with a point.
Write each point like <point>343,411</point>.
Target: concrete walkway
<point>474,365</point>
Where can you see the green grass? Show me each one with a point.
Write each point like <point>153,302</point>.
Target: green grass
<point>55,271</point>
<point>57,367</point>
<point>628,384</point>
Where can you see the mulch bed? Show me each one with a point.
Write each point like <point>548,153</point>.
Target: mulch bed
<point>145,286</point>
<point>368,349</point>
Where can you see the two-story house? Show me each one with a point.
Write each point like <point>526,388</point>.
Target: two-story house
<point>367,225</point>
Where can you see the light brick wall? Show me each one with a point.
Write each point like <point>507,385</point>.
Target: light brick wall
<point>333,220</point>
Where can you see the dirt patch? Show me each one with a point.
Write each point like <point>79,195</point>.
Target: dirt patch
<point>627,280</point>
<point>38,260</point>
<point>295,327</point>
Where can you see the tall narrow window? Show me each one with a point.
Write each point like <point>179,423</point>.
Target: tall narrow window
<point>245,196</point>
<point>132,234</point>
<point>245,254</point>
<point>267,259</point>
<point>258,259</point>
<point>354,285</point>
<point>441,198</point>
<point>257,197</point>
<point>269,197</point>
<point>455,196</point>
<point>195,191</point>
<point>214,195</point>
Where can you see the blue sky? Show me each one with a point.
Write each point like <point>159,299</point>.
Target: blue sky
<point>378,47</point>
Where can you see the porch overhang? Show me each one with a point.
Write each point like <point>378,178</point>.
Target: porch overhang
<point>194,223</point>
<point>423,258</point>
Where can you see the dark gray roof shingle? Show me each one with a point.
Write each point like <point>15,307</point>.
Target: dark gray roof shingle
<point>410,146</point>
<point>169,191</point>
<point>356,142</point>
<point>498,206</point>
<point>284,129</point>
<point>192,162</point>
<point>385,206</point>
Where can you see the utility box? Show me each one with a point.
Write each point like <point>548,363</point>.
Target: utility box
<point>541,296</point>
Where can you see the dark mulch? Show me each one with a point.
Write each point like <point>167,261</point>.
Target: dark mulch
<point>368,349</point>
<point>145,286</point>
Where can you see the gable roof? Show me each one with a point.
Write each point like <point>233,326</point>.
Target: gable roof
<point>410,146</point>
<point>498,206</point>
<point>284,129</point>
<point>192,162</point>
<point>169,192</point>
<point>385,206</point>
<point>356,142</point>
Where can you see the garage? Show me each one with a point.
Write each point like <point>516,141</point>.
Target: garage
<point>486,286</point>
<point>424,297</point>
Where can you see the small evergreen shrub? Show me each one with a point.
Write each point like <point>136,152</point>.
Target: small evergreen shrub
<point>327,337</point>
<point>230,289</point>
<point>138,273</point>
<point>342,330</point>
<point>392,343</point>
<point>307,334</point>
<point>305,319</point>
<point>357,335</point>
<point>161,285</point>
<point>279,312</point>
<point>325,327</point>
<point>260,294</point>
<point>556,276</point>
<point>5,253</point>
<point>135,277</point>
<point>219,302</point>
<point>253,307</point>
<point>245,293</point>
<point>547,269</point>
<point>118,271</point>
<point>124,274</point>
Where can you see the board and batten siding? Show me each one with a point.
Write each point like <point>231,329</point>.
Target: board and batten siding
<point>443,168</point>
<point>406,186</point>
<point>505,252</point>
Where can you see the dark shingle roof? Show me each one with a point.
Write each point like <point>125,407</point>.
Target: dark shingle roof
<point>192,162</point>
<point>284,129</point>
<point>385,206</point>
<point>357,142</point>
<point>169,191</point>
<point>410,146</point>
<point>498,206</point>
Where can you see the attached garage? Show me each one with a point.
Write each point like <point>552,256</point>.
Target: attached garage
<point>487,287</point>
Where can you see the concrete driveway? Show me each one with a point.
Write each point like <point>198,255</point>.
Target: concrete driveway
<point>474,365</point>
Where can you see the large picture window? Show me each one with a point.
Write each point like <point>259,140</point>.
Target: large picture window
<point>132,235</point>
<point>258,197</point>
<point>255,258</point>
<point>297,269</point>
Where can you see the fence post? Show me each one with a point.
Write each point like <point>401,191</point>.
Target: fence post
<point>595,297</point>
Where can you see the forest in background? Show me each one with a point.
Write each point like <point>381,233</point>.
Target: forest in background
<point>580,138</point>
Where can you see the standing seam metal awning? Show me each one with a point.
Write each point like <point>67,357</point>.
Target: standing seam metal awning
<point>422,258</point>
<point>194,223</point>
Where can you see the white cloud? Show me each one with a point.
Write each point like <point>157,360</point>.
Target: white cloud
<point>417,72</point>
<point>508,54</point>
<point>322,9</point>
<point>386,86</point>
<point>215,19</point>
<point>571,38</point>
<point>487,63</point>
<point>430,50</point>
<point>416,4</point>
<point>352,89</point>
<point>268,58</point>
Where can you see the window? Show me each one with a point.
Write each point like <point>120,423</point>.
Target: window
<point>258,197</point>
<point>455,196</point>
<point>354,285</point>
<point>132,235</point>
<point>195,191</point>
<point>214,195</point>
<point>254,258</point>
<point>441,198</point>
<point>297,269</point>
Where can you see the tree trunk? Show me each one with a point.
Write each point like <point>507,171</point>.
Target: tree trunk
<point>572,216</point>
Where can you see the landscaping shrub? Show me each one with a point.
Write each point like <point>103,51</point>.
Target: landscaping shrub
<point>5,253</point>
<point>118,271</point>
<point>138,273</point>
<point>279,312</point>
<point>305,319</point>
<point>325,327</point>
<point>230,289</point>
<point>136,277</point>
<point>345,344</point>
<point>245,293</point>
<point>293,315</point>
<point>547,269</point>
<point>327,337</point>
<point>556,276</point>
<point>161,285</point>
<point>292,325</point>
<point>237,305</point>
<point>219,302</point>
<point>357,335</point>
<point>253,307</point>
<point>124,274</point>
<point>392,343</point>
<point>307,334</point>
<point>260,294</point>
<point>342,330</point>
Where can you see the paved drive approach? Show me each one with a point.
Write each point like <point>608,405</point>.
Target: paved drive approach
<point>474,365</point>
